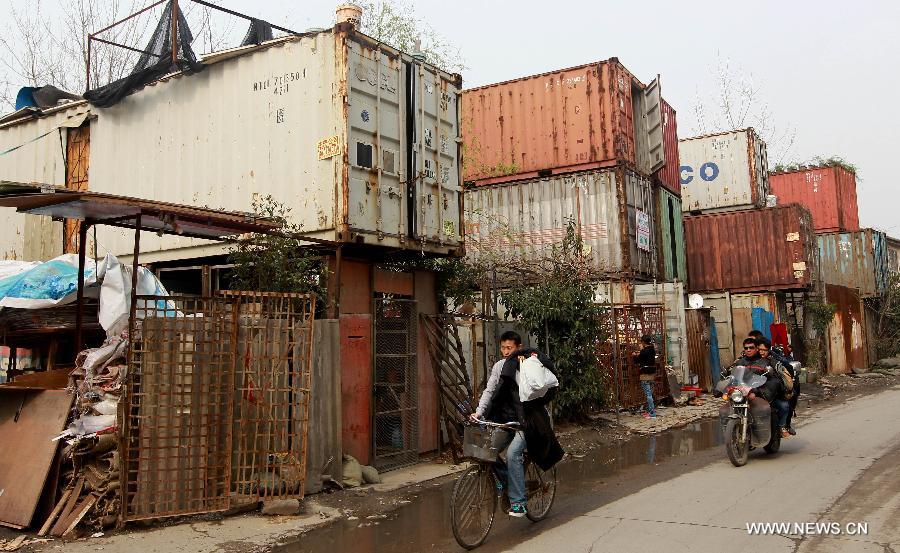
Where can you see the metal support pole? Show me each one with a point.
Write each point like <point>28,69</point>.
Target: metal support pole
<point>134,280</point>
<point>337,281</point>
<point>79,311</point>
<point>174,31</point>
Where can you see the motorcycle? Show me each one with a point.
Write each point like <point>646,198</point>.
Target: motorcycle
<point>746,428</point>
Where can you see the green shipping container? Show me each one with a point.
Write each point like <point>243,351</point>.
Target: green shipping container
<point>671,236</point>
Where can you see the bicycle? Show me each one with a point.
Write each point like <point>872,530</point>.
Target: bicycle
<point>476,492</point>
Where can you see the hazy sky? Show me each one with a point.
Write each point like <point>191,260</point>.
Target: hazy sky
<point>827,69</point>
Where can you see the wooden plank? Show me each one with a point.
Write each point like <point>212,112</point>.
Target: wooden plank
<point>59,527</point>
<point>45,380</point>
<point>55,513</point>
<point>28,423</point>
<point>79,513</point>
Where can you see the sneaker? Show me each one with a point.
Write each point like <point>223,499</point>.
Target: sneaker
<point>653,416</point>
<point>645,414</point>
<point>785,433</point>
<point>517,510</point>
<point>791,431</point>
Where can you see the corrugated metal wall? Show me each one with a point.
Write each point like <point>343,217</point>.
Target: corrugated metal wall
<point>669,176</point>
<point>847,340</point>
<point>671,296</point>
<point>525,219</point>
<point>751,250</point>
<point>855,260</point>
<point>39,158</point>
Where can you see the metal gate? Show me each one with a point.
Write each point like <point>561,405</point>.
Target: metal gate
<point>395,402</point>
<point>217,402</point>
<point>271,393</point>
<point>625,325</point>
<point>176,439</point>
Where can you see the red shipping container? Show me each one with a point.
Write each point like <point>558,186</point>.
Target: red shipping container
<point>751,250</point>
<point>669,175</point>
<point>582,118</point>
<point>828,192</point>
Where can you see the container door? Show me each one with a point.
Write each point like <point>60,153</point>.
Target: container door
<point>653,127</point>
<point>435,213</point>
<point>720,304</point>
<point>376,134</point>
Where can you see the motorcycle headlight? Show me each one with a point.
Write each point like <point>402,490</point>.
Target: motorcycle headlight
<point>737,396</point>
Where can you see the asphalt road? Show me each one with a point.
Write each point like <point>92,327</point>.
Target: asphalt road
<point>841,471</point>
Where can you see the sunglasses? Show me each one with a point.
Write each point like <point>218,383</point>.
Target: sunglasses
<point>749,347</point>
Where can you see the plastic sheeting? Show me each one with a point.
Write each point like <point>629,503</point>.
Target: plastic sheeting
<point>55,282</point>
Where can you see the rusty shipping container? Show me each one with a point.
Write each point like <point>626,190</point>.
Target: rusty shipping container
<point>669,176</point>
<point>670,229</point>
<point>751,250</point>
<point>585,117</point>
<point>828,192</point>
<point>855,260</point>
<point>723,172</point>
<point>893,254</point>
<point>612,208</point>
<point>358,139</point>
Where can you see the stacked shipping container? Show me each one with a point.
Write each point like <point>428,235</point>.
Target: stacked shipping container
<point>828,192</point>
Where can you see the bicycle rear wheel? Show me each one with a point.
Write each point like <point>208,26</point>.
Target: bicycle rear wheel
<point>540,487</point>
<point>472,506</point>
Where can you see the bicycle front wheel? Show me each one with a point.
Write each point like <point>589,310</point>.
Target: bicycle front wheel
<point>540,487</point>
<point>472,506</point>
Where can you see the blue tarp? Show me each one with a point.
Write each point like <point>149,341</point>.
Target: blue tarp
<point>53,280</point>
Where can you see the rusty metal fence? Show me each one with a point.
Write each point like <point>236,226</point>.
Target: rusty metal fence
<point>395,390</point>
<point>271,393</point>
<point>176,438</point>
<point>216,403</point>
<point>625,324</point>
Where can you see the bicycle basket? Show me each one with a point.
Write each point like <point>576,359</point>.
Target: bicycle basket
<point>477,443</point>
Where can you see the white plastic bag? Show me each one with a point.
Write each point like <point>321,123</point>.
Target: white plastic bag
<point>534,379</point>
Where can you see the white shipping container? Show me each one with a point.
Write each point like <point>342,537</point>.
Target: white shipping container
<point>723,172</point>
<point>359,140</point>
<point>35,152</point>
<point>522,221</point>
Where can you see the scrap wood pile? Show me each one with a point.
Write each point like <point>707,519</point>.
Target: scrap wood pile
<point>92,495</point>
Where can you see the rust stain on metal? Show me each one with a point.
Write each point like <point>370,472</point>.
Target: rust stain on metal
<point>846,334</point>
<point>828,192</point>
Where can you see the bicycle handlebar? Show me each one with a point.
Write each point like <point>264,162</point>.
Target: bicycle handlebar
<point>512,425</point>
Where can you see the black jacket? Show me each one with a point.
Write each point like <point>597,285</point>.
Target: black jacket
<point>646,359</point>
<point>540,439</point>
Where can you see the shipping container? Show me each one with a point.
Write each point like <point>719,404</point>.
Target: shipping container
<point>671,297</point>
<point>829,193</point>
<point>723,172</point>
<point>670,176</point>
<point>751,250</point>
<point>699,347</point>
<point>35,153</point>
<point>359,140</point>
<point>847,335</point>
<point>670,223</point>
<point>585,117</point>
<point>855,260</point>
<point>612,209</point>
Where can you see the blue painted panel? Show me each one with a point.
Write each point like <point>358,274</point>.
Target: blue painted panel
<point>762,321</point>
<point>715,360</point>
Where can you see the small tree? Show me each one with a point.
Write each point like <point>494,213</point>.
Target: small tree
<point>277,262</point>
<point>887,320</point>
<point>820,316</point>
<point>559,308</point>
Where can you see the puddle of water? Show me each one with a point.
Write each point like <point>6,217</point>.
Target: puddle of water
<point>424,524</point>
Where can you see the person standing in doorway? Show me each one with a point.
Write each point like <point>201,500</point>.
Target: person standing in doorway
<point>646,362</point>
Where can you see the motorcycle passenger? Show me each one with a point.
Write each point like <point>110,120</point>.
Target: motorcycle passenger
<point>779,356</point>
<point>774,387</point>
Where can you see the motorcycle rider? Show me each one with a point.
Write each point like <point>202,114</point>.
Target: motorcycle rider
<point>779,355</point>
<point>759,403</point>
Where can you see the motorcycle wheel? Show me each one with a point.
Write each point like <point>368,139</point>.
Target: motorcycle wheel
<point>737,453</point>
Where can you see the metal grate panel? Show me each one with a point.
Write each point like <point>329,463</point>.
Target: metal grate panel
<point>177,413</point>
<point>625,325</point>
<point>395,384</point>
<point>271,394</point>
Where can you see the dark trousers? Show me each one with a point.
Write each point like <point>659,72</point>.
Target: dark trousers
<point>793,402</point>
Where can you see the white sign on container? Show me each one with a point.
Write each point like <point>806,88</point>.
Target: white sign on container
<point>643,230</point>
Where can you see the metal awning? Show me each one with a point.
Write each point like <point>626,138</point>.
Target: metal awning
<point>123,211</point>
